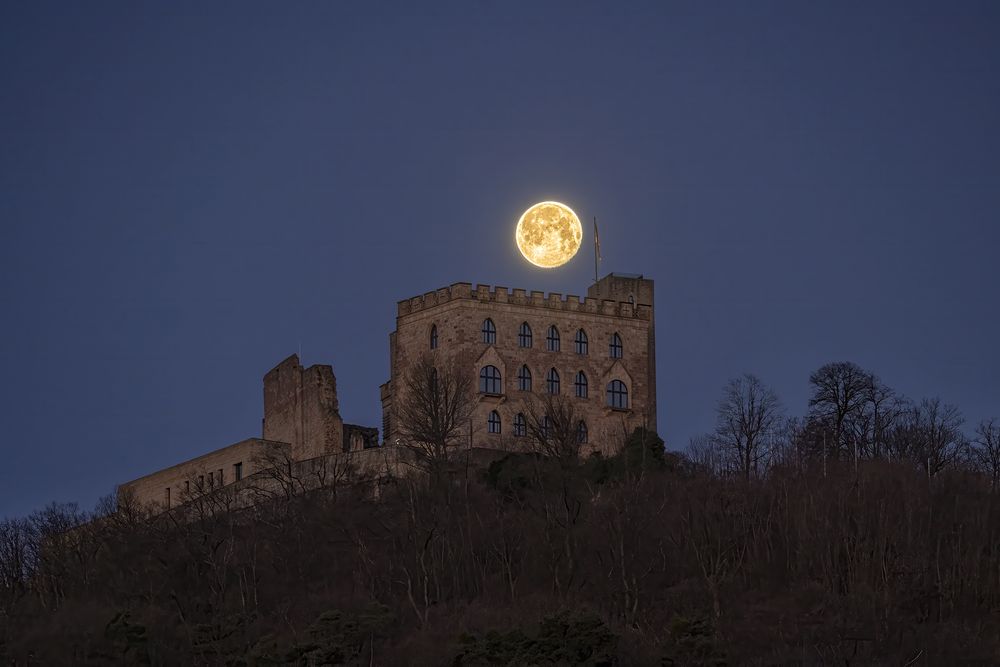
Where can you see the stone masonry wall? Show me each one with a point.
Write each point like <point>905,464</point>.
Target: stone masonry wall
<point>174,485</point>
<point>459,312</point>
<point>300,408</point>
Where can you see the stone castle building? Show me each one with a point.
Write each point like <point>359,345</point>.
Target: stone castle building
<point>599,351</point>
<point>301,423</point>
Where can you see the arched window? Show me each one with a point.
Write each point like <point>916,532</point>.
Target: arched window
<point>580,384</point>
<point>489,331</point>
<point>489,380</point>
<point>546,426</point>
<point>552,339</point>
<point>493,423</point>
<point>524,335</point>
<point>520,426</point>
<point>618,395</point>
<point>524,379</point>
<point>581,432</point>
<point>552,381</point>
<point>434,336</point>
<point>615,347</point>
<point>581,341</point>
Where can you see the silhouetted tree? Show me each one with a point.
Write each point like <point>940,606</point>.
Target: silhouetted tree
<point>839,391</point>
<point>986,450</point>
<point>748,420</point>
<point>553,427</point>
<point>880,409</point>
<point>930,435</point>
<point>436,402</point>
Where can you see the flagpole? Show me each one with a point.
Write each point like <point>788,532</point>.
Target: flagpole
<point>596,249</point>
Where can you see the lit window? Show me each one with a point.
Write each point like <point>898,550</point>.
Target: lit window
<point>434,336</point>
<point>520,427</point>
<point>581,432</point>
<point>580,385</point>
<point>552,381</point>
<point>524,335</point>
<point>618,395</point>
<point>615,348</point>
<point>489,380</point>
<point>581,341</point>
<point>552,339</point>
<point>524,379</point>
<point>489,331</point>
<point>494,422</point>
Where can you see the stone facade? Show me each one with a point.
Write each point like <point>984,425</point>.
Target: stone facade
<point>301,423</point>
<point>617,305</point>
<point>179,483</point>
<point>303,431</point>
<point>300,408</point>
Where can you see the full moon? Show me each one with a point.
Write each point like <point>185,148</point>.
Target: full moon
<point>548,234</point>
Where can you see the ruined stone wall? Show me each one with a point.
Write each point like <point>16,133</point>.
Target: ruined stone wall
<point>357,437</point>
<point>301,408</point>
<point>174,485</point>
<point>458,312</point>
<point>276,477</point>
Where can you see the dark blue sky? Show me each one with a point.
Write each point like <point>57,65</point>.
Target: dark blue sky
<point>191,191</point>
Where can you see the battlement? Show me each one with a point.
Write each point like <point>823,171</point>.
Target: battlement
<point>520,297</point>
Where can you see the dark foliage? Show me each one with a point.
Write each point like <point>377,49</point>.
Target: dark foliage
<point>638,558</point>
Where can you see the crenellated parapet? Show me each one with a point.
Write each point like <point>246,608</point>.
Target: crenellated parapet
<point>520,297</point>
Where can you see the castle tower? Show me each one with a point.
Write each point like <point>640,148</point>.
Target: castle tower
<point>634,289</point>
<point>300,408</point>
<point>597,351</point>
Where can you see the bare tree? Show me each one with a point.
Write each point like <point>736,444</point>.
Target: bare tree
<point>748,419</point>
<point>702,450</point>
<point>435,406</point>
<point>553,426</point>
<point>986,450</point>
<point>930,435</point>
<point>839,394</point>
<point>880,409</point>
<point>281,475</point>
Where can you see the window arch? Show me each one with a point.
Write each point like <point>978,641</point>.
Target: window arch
<point>552,339</point>
<point>493,422</point>
<point>489,331</point>
<point>524,335</point>
<point>581,432</point>
<point>615,346</point>
<point>618,395</point>
<point>581,341</point>
<point>552,381</point>
<point>434,336</point>
<point>520,426</point>
<point>489,380</point>
<point>580,385</point>
<point>524,378</point>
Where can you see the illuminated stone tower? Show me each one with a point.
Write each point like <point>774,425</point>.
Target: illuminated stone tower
<point>599,351</point>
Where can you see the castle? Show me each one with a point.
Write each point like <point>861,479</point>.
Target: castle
<point>599,351</point>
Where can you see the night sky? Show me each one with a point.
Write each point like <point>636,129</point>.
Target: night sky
<point>190,192</point>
